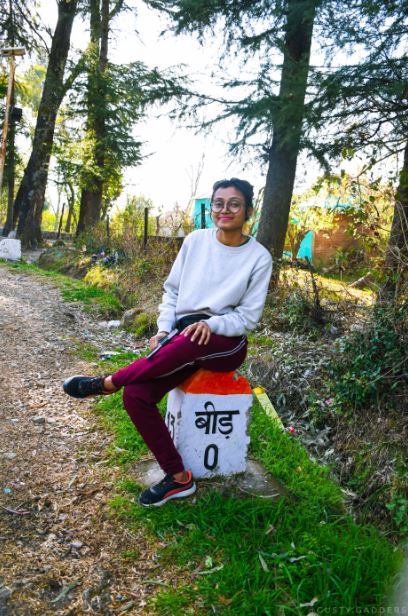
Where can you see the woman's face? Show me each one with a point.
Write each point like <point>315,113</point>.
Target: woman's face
<point>227,219</point>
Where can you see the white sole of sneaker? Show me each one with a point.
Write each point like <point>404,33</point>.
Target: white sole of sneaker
<point>172,496</point>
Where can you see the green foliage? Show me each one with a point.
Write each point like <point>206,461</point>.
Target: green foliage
<point>94,240</point>
<point>372,363</point>
<point>31,86</point>
<point>144,325</point>
<point>129,223</point>
<point>294,306</point>
<point>378,30</point>
<point>114,99</point>
<point>19,30</point>
<point>289,463</point>
<point>101,277</point>
<point>399,508</point>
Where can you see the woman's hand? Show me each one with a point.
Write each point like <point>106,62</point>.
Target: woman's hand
<point>199,331</point>
<point>154,341</point>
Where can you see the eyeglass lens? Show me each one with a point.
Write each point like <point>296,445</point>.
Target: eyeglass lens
<point>233,205</point>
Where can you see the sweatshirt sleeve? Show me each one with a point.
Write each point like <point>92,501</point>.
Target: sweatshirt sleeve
<point>167,309</point>
<point>244,317</point>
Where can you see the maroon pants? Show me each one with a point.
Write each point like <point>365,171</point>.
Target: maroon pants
<point>146,381</point>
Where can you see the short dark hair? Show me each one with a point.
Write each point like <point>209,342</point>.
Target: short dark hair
<point>243,186</point>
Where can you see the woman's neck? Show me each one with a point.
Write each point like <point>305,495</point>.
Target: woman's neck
<point>230,238</point>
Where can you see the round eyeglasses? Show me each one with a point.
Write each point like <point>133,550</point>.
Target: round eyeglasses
<point>233,206</point>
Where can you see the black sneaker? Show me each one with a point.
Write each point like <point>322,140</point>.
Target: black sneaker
<point>80,386</point>
<point>167,489</point>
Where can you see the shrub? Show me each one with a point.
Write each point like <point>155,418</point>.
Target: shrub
<point>145,325</point>
<point>372,362</point>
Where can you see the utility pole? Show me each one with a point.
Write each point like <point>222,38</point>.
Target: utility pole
<point>9,52</point>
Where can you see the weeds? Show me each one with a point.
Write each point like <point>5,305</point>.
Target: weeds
<point>399,509</point>
<point>372,363</point>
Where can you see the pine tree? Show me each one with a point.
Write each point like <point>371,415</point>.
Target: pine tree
<point>272,112</point>
<point>114,98</point>
<point>364,107</point>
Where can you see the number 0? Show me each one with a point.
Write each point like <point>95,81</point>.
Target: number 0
<point>207,463</point>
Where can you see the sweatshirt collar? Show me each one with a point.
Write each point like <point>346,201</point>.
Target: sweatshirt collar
<point>239,248</point>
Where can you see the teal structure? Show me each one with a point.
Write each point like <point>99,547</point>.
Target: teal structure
<point>197,213</point>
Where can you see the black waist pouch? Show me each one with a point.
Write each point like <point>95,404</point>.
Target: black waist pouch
<point>189,319</point>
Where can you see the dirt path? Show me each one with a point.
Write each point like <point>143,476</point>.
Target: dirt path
<point>55,530</point>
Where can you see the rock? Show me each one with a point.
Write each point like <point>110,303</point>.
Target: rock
<point>10,249</point>
<point>10,455</point>
<point>77,545</point>
<point>109,324</point>
<point>129,317</point>
<point>108,355</point>
<point>39,420</point>
<point>5,593</point>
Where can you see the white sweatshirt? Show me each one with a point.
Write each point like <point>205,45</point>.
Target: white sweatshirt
<point>229,283</point>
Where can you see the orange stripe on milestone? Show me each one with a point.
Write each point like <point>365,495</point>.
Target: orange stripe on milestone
<point>221,383</point>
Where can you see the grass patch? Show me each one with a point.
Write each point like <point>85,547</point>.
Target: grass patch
<point>224,553</point>
<point>103,301</point>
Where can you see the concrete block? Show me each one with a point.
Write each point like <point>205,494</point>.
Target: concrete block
<point>207,417</point>
<point>10,249</point>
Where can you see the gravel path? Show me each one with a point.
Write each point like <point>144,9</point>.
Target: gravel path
<point>60,550</point>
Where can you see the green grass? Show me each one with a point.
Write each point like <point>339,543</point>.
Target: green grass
<point>93,298</point>
<point>251,555</point>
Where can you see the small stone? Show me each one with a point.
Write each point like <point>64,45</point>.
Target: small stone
<point>10,455</point>
<point>77,545</point>
<point>39,420</point>
<point>5,593</point>
<point>108,355</point>
<point>109,324</point>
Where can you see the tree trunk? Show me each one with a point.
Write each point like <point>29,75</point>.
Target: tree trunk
<point>30,196</point>
<point>57,213</point>
<point>71,203</point>
<point>92,194</point>
<point>287,128</point>
<point>9,224</point>
<point>396,256</point>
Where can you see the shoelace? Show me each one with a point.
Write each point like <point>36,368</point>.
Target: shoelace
<point>92,386</point>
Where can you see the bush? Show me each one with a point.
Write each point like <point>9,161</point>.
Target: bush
<point>145,325</point>
<point>372,362</point>
<point>295,305</point>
